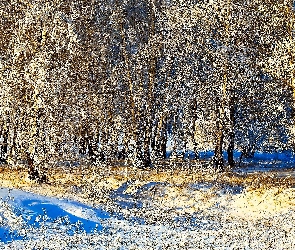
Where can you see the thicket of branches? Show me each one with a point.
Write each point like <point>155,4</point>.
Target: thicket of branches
<point>118,79</point>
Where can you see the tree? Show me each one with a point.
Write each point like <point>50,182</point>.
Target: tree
<point>107,80</point>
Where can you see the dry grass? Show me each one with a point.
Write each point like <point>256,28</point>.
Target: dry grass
<point>265,193</point>
<point>261,202</point>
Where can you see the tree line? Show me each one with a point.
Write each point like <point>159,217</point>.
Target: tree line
<point>125,79</point>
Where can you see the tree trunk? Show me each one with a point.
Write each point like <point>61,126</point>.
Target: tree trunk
<point>218,156</point>
<point>218,153</point>
<point>3,147</point>
<point>150,116</point>
<point>221,111</point>
<point>159,139</point>
<point>164,139</point>
<point>146,153</point>
<point>230,149</point>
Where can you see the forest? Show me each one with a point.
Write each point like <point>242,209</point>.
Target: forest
<point>145,81</point>
<point>147,124</point>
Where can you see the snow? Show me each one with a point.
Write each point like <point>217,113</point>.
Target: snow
<point>225,217</point>
<point>21,210</point>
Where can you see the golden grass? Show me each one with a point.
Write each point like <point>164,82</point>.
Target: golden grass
<point>265,194</point>
<point>262,202</point>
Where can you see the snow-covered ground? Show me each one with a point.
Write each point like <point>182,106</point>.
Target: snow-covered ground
<point>22,213</point>
<point>30,221</point>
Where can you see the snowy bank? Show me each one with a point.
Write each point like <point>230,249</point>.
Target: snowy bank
<point>30,221</point>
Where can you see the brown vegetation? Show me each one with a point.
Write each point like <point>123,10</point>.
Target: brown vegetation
<point>93,185</point>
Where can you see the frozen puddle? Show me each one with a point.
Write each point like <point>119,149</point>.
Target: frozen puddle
<point>22,212</point>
